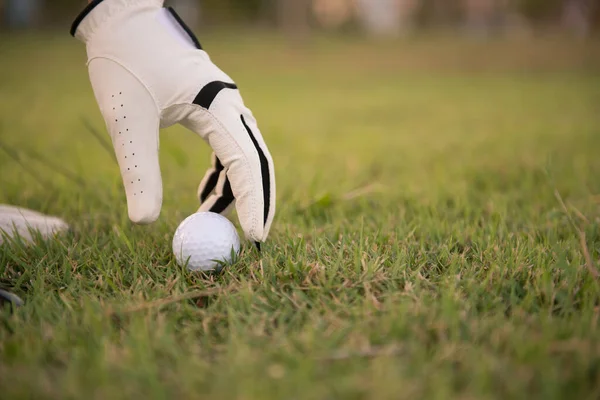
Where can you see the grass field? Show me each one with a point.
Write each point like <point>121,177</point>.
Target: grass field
<point>437,233</point>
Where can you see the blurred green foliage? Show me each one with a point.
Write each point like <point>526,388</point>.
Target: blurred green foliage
<point>59,12</point>
<point>539,9</point>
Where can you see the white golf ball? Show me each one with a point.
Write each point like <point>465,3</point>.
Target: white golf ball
<point>205,239</point>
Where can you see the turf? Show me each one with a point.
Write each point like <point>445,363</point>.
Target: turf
<point>437,231</point>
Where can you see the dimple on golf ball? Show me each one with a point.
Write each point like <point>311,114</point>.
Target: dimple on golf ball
<point>204,240</point>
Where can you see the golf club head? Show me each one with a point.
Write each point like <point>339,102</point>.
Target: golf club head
<point>9,298</point>
<point>22,222</point>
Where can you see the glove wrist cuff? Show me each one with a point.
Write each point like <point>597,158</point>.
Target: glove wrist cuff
<point>98,12</point>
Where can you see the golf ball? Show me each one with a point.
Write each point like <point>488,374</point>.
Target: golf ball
<point>204,240</point>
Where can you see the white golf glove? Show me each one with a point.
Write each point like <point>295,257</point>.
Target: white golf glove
<point>148,71</point>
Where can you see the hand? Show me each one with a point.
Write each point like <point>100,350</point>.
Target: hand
<point>148,71</point>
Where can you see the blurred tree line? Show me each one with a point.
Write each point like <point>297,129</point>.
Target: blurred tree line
<point>374,16</point>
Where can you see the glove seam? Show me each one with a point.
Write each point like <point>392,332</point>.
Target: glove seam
<point>135,76</point>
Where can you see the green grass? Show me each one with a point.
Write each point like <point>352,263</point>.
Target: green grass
<point>420,247</point>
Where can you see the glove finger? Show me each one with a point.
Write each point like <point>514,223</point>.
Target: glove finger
<point>132,120</point>
<point>267,171</point>
<point>231,131</point>
<point>209,182</point>
<point>222,201</point>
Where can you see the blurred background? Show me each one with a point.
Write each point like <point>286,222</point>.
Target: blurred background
<point>437,84</point>
<point>481,18</point>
